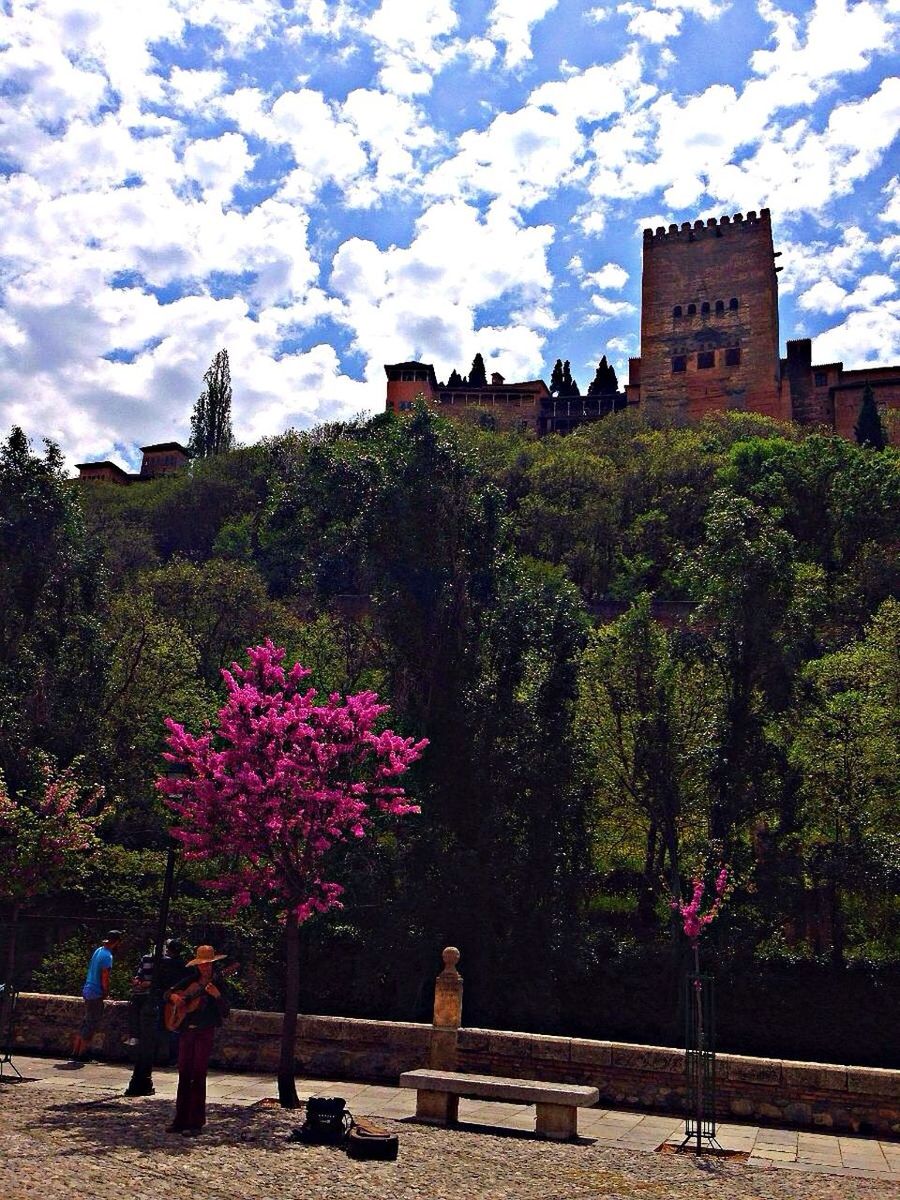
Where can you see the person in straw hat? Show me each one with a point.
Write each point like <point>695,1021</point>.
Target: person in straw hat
<point>198,1004</point>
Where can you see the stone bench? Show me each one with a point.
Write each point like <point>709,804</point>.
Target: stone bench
<point>557,1104</point>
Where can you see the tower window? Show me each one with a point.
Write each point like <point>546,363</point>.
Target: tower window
<point>676,311</point>
<point>692,310</point>
<point>720,307</point>
<point>679,363</point>
<point>705,359</point>
<point>733,304</point>
<point>704,308</point>
<point>821,379</point>
<point>733,356</point>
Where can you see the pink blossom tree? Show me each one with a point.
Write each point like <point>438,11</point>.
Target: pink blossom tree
<point>43,832</point>
<point>694,921</point>
<point>273,788</point>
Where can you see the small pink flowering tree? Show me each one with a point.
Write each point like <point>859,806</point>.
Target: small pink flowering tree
<point>273,787</point>
<point>694,920</point>
<point>43,833</point>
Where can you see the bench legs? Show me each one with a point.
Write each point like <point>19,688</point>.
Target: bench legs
<point>557,1121</point>
<point>438,1108</point>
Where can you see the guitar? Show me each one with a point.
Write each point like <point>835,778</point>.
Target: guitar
<point>177,1005</point>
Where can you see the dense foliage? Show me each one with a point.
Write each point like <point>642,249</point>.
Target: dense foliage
<point>623,646</point>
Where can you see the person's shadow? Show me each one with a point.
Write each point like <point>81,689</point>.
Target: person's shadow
<point>106,1125</point>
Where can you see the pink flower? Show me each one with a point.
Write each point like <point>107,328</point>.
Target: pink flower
<point>281,780</point>
<point>693,921</point>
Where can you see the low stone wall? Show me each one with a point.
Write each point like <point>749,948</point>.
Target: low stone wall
<point>815,1095</point>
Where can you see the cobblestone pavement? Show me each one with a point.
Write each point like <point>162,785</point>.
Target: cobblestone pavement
<point>71,1134</point>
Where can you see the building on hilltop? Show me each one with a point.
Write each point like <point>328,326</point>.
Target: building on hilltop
<point>162,458</point>
<point>709,343</point>
<point>499,405</point>
<point>709,319</point>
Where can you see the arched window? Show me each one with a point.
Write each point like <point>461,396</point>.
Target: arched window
<point>692,310</point>
<point>733,304</point>
<point>704,308</point>
<point>720,307</point>
<point>676,311</point>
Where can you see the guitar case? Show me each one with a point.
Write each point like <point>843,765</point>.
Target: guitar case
<point>368,1140</point>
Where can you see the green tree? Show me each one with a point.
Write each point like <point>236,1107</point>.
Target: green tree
<point>868,429</point>
<point>211,419</point>
<point>455,380</point>
<point>845,745</point>
<point>52,660</point>
<point>759,605</point>
<point>649,710</point>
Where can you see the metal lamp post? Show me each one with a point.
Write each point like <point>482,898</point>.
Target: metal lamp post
<point>141,1082</point>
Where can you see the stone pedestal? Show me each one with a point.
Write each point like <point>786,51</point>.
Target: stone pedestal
<point>442,1051</point>
<point>438,1108</point>
<point>557,1121</point>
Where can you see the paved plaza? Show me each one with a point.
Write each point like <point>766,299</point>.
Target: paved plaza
<point>68,1132</point>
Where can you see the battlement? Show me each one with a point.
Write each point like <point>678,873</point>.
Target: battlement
<point>692,231</point>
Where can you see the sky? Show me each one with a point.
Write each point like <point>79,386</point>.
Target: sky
<point>323,188</point>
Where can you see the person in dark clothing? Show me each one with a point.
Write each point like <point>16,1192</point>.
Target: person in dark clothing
<point>140,994</point>
<point>200,1004</point>
<point>172,969</point>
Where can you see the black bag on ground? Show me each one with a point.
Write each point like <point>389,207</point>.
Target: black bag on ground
<point>367,1140</point>
<point>327,1121</point>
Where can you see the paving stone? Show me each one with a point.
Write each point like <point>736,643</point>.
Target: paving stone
<point>63,1138</point>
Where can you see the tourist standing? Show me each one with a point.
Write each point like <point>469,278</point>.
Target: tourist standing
<point>200,1004</point>
<point>140,996</point>
<point>95,992</point>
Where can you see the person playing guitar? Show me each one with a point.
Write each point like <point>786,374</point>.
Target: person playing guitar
<point>196,1006</point>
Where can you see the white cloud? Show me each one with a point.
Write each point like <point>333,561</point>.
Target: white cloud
<point>411,42</point>
<point>661,20</point>
<point>891,212</point>
<point>218,165</point>
<point>511,22</point>
<point>423,301</point>
<point>869,337</point>
<point>610,275</point>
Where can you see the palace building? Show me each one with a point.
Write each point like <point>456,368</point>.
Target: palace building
<point>160,459</point>
<point>709,343</point>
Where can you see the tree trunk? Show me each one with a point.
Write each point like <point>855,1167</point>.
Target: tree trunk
<point>287,1088</point>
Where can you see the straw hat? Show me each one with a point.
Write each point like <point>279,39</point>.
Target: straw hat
<point>205,954</point>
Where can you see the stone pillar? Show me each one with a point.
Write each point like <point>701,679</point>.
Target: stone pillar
<point>447,1014</point>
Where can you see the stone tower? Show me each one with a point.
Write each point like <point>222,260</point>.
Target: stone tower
<point>709,318</point>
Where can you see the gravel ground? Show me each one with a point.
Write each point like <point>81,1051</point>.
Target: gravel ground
<point>57,1148</point>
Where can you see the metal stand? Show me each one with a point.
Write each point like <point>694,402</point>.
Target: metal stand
<point>141,1082</point>
<point>8,998</point>
<point>700,1062</point>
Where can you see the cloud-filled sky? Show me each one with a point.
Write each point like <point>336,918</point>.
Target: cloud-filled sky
<point>322,188</point>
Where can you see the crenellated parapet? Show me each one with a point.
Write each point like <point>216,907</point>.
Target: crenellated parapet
<point>713,227</point>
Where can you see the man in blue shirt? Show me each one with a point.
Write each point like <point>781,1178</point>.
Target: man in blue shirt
<point>94,993</point>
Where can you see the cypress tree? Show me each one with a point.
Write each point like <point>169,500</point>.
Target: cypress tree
<point>455,380</point>
<point>211,419</point>
<point>556,378</point>
<point>868,429</point>
<point>605,382</point>
<point>477,375</point>
<point>569,386</point>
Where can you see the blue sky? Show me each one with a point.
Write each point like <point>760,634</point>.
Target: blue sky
<point>322,188</point>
